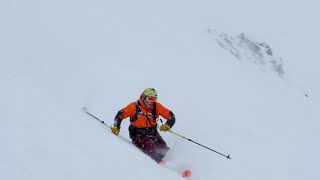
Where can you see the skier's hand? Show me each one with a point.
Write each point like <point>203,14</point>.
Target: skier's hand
<point>165,127</point>
<point>115,130</point>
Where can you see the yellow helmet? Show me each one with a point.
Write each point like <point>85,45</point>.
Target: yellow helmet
<point>150,92</point>
<point>149,96</point>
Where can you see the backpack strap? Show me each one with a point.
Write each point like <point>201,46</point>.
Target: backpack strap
<point>154,111</point>
<point>138,112</point>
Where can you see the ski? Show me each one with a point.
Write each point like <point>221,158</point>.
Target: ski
<point>184,172</point>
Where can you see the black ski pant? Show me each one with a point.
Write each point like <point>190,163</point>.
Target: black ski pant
<point>149,141</point>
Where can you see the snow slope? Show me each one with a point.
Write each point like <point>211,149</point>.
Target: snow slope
<point>58,56</point>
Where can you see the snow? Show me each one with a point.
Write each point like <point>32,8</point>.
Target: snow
<point>59,56</point>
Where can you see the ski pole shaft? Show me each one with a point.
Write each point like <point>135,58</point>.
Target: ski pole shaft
<point>227,156</point>
<point>102,122</point>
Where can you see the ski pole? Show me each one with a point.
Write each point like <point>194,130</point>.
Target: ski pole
<point>102,122</point>
<point>227,156</point>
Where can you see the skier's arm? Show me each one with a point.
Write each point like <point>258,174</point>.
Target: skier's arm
<point>124,113</point>
<point>167,114</point>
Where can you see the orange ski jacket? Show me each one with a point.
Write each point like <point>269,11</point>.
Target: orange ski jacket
<point>146,117</point>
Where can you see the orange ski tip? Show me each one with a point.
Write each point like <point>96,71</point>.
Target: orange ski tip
<point>186,173</point>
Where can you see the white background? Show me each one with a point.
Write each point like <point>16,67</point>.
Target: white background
<point>58,56</point>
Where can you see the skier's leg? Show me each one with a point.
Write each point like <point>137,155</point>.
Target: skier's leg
<point>151,144</point>
<point>147,145</point>
<point>161,146</point>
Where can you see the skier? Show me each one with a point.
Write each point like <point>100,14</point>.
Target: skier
<point>143,124</point>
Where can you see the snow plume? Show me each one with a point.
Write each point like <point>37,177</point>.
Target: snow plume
<point>245,48</point>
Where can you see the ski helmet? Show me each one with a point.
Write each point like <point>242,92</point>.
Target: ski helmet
<point>149,96</point>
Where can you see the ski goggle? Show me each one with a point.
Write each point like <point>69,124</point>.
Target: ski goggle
<point>151,99</point>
